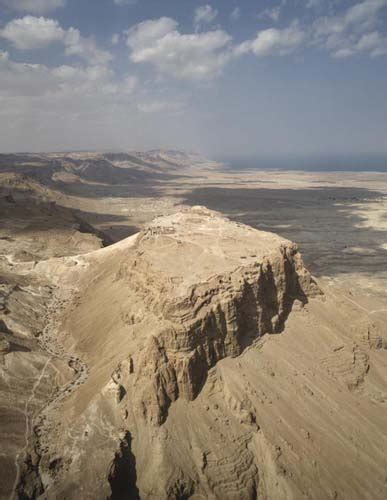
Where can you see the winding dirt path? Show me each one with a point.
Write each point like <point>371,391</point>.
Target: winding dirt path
<point>37,424</point>
<point>29,421</point>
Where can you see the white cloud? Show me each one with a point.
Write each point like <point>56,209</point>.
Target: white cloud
<point>148,32</point>
<point>34,6</point>
<point>203,55</point>
<point>364,15</point>
<point>274,41</point>
<point>235,14</point>
<point>374,43</point>
<point>349,33</point>
<point>343,35</point>
<point>21,79</point>
<point>32,32</point>
<point>197,56</point>
<point>343,53</point>
<point>204,14</point>
<point>85,48</point>
<point>359,17</point>
<point>270,13</point>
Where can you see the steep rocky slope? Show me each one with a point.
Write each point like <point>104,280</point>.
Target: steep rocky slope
<point>32,228</point>
<point>209,364</point>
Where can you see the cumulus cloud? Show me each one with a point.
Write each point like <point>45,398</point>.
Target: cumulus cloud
<point>197,56</point>
<point>358,18</point>
<point>31,32</point>
<point>204,14</point>
<point>343,35</point>
<point>21,79</point>
<point>34,6</point>
<point>351,32</point>
<point>85,48</point>
<point>149,32</point>
<point>374,43</point>
<point>274,41</point>
<point>364,15</point>
<point>203,55</point>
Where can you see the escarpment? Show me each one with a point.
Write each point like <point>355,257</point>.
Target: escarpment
<point>204,318</point>
<point>186,388</point>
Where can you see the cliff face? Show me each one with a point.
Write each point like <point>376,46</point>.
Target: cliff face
<point>212,320</point>
<point>183,387</point>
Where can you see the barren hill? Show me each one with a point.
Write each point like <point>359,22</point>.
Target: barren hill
<point>207,363</point>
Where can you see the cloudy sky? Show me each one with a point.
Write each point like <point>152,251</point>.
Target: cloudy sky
<point>229,77</point>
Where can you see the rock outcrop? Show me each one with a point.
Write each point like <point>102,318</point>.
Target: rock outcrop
<point>219,314</point>
<point>185,389</point>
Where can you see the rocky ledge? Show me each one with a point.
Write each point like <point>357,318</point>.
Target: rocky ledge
<point>210,288</point>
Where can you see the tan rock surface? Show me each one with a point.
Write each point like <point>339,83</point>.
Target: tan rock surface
<point>209,364</point>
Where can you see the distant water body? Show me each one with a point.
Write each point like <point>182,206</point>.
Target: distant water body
<point>359,163</point>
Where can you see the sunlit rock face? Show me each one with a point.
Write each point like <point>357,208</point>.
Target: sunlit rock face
<point>215,287</point>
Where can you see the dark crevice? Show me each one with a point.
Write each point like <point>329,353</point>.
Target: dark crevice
<point>123,475</point>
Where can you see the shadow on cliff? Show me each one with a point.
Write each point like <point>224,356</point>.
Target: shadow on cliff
<point>260,305</point>
<point>123,475</point>
<point>273,312</point>
<point>324,221</point>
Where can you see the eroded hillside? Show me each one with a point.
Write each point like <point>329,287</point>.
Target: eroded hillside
<point>209,364</point>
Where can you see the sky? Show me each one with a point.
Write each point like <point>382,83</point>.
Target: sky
<point>226,78</point>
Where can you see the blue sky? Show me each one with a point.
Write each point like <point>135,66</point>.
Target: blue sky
<point>223,78</point>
